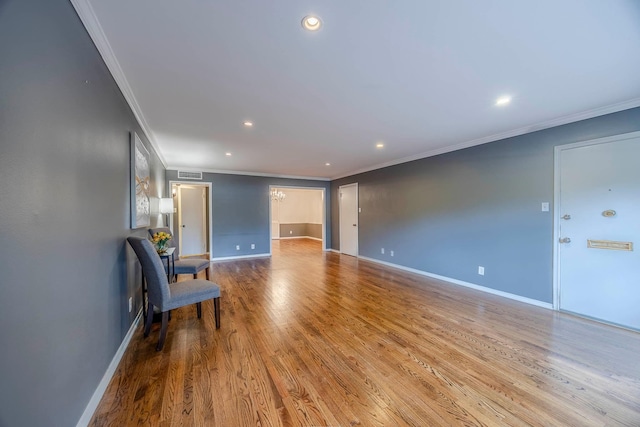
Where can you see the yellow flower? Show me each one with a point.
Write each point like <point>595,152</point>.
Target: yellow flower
<point>161,237</point>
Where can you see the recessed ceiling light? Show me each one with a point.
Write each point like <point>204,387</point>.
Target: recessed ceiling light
<point>311,23</point>
<point>248,124</point>
<point>503,100</point>
<point>379,145</point>
<point>327,164</point>
<point>227,154</point>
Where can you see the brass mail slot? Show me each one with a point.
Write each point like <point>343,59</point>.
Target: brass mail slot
<point>610,244</point>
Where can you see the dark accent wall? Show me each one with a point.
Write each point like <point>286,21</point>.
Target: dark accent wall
<point>64,215</point>
<point>240,211</point>
<point>301,230</point>
<point>451,213</point>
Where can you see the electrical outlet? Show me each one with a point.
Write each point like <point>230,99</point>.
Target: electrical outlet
<point>382,251</point>
<point>391,253</point>
<point>253,246</point>
<point>481,270</point>
<point>237,247</point>
<point>130,304</point>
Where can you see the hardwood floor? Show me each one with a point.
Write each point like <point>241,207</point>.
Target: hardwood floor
<point>318,339</point>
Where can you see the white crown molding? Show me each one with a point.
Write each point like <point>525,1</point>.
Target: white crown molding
<point>601,111</point>
<point>232,172</point>
<point>92,25</point>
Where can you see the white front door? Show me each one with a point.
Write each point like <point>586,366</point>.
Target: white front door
<point>599,229</point>
<point>348,195</point>
<point>192,218</point>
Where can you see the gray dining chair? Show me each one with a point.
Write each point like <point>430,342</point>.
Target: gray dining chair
<point>184,265</point>
<point>165,297</point>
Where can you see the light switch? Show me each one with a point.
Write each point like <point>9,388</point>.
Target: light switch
<point>545,206</point>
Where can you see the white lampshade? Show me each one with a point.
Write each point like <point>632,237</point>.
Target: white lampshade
<point>166,206</point>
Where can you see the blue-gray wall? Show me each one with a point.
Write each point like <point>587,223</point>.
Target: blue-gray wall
<point>65,271</point>
<point>240,211</point>
<point>451,213</point>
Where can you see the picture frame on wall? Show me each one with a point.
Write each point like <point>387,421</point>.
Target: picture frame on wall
<point>140,184</point>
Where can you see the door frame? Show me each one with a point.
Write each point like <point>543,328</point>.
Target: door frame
<point>209,208</point>
<point>353,184</point>
<point>324,211</point>
<point>556,201</point>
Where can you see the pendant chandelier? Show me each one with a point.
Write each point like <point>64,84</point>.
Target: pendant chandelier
<point>277,195</point>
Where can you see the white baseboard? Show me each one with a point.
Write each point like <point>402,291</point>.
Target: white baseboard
<point>228,258</point>
<point>106,378</point>
<point>463,283</point>
<point>333,250</point>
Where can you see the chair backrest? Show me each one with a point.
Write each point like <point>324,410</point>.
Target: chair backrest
<point>172,242</point>
<point>157,283</point>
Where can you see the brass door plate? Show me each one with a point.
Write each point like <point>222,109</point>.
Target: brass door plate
<point>610,244</point>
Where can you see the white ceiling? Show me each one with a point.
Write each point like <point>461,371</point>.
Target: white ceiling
<point>420,75</point>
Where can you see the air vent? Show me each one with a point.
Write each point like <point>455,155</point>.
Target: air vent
<point>189,175</point>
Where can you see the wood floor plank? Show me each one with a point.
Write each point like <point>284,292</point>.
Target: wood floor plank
<point>311,338</point>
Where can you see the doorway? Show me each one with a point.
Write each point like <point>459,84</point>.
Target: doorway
<point>191,222</point>
<point>348,196</point>
<point>597,203</point>
<point>297,213</point>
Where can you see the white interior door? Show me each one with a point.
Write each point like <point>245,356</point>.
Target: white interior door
<point>193,240</point>
<point>599,229</point>
<point>349,219</point>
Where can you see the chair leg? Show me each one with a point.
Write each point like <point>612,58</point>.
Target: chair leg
<point>208,273</point>
<point>199,308</point>
<point>216,307</point>
<point>163,330</point>
<point>149,320</point>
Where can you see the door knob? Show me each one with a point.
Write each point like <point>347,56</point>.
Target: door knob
<point>564,240</point>
<point>567,217</point>
<point>183,226</point>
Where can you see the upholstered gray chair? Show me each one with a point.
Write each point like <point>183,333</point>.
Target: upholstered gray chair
<point>184,265</point>
<point>165,297</point>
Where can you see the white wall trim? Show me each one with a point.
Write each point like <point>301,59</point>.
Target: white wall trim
<point>335,251</point>
<point>589,114</point>
<point>92,24</point>
<point>325,202</point>
<point>248,173</point>
<point>342,216</point>
<point>229,258</point>
<point>108,375</point>
<point>462,283</point>
<point>209,186</point>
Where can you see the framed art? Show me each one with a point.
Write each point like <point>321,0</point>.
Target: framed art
<point>140,183</point>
